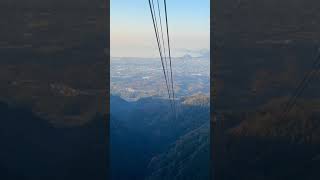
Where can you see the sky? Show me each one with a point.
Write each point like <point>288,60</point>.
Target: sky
<point>132,33</point>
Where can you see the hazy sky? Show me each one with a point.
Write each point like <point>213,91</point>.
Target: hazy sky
<point>132,33</point>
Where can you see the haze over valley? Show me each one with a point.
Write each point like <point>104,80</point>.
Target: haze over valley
<point>135,78</point>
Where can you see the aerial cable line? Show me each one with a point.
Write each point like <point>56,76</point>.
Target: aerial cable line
<point>302,85</point>
<point>160,50</point>
<point>170,80</point>
<point>169,49</point>
<point>163,45</point>
<point>151,5</point>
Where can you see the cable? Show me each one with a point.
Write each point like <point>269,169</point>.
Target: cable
<point>163,45</point>
<point>161,55</point>
<point>151,5</point>
<point>169,49</point>
<point>164,53</point>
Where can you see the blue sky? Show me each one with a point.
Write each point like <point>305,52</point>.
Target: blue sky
<point>132,33</point>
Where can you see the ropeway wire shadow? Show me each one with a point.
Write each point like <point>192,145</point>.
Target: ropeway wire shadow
<point>301,86</point>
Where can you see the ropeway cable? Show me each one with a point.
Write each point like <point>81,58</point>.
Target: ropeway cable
<point>169,49</point>
<point>154,20</point>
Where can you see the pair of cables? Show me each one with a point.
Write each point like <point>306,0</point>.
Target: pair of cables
<point>163,47</point>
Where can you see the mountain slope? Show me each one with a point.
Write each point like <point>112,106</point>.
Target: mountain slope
<point>147,129</point>
<point>32,149</point>
<point>187,158</point>
<point>264,145</point>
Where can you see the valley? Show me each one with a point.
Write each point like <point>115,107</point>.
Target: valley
<point>149,142</point>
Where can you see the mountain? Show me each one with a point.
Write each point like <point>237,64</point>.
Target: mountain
<point>197,100</point>
<point>186,57</point>
<point>263,50</point>
<point>301,125</point>
<point>186,159</point>
<point>53,94</point>
<point>264,144</point>
<point>145,134</point>
<point>33,149</point>
<point>53,58</point>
